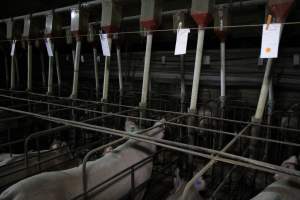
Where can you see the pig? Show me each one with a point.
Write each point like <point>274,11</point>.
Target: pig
<point>285,187</point>
<point>67,184</point>
<point>12,167</point>
<point>180,184</point>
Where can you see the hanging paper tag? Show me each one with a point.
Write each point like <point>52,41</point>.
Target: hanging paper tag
<point>13,48</point>
<point>49,48</point>
<point>82,59</point>
<point>181,41</point>
<point>270,41</point>
<point>105,44</point>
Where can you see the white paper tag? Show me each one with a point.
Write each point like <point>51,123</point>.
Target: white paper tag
<point>49,48</point>
<point>105,44</point>
<point>82,59</point>
<point>270,41</point>
<point>13,48</point>
<point>181,41</point>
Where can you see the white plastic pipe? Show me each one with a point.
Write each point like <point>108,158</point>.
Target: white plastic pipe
<point>12,74</point>
<point>50,73</point>
<point>106,74</point>
<point>73,55</point>
<point>197,69</point>
<point>223,77</point>
<point>57,64</point>
<point>120,70</point>
<point>96,69</point>
<point>29,66</point>
<point>264,92</point>
<point>76,70</point>
<point>146,70</point>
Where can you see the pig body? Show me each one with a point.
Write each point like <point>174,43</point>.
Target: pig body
<point>12,167</point>
<point>67,184</point>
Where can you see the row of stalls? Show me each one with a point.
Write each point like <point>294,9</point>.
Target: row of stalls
<point>57,145</point>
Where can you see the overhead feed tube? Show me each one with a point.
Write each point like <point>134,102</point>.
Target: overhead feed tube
<point>146,74</point>
<point>106,74</point>
<point>79,25</point>
<point>221,20</point>
<point>149,20</point>
<point>200,13</point>
<point>110,22</point>
<point>96,71</point>
<point>76,70</point>
<point>50,72</point>
<point>197,70</point>
<point>279,9</point>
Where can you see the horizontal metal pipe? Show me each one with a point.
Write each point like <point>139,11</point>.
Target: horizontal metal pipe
<point>190,149</point>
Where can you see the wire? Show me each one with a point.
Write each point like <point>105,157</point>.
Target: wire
<point>152,31</point>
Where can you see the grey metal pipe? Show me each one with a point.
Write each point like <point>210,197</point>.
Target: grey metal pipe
<point>223,77</point>
<point>76,70</point>
<point>57,64</point>
<point>29,66</point>
<point>50,72</point>
<point>6,70</point>
<point>106,74</point>
<point>17,70</point>
<point>145,86</point>
<point>43,69</point>
<point>120,70</point>
<point>96,69</point>
<point>12,73</point>
<point>182,83</point>
<point>197,69</point>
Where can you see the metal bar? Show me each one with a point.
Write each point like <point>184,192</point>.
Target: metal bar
<point>242,161</point>
<point>177,124</point>
<point>57,64</point>
<point>210,164</point>
<point>29,66</point>
<point>96,71</point>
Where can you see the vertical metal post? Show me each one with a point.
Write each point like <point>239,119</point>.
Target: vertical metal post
<point>12,73</point>
<point>43,69</point>
<point>6,70</point>
<point>76,70</point>
<point>29,66</point>
<point>96,68</point>
<point>17,70</point>
<point>57,64</point>
<point>50,72</point>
